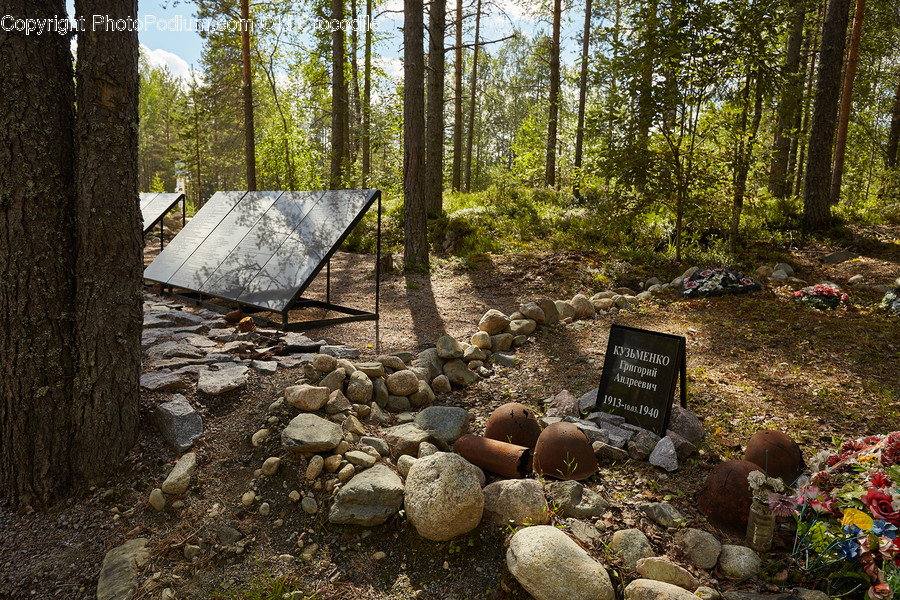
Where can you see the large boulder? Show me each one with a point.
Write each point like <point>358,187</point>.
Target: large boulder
<point>443,496</point>
<point>550,566</point>
<point>516,502</point>
<point>458,374</point>
<point>369,499</point>
<point>583,307</point>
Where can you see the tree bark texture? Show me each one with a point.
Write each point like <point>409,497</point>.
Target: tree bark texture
<point>894,136</point>
<point>434,164</point>
<point>37,199</point>
<point>339,106</point>
<point>247,89</point>
<point>471,139</point>
<point>550,172</point>
<point>817,180</point>
<point>840,142</point>
<point>582,98</point>
<point>367,101</point>
<point>808,99</point>
<point>355,144</point>
<point>415,248</point>
<point>109,265</point>
<point>745,157</point>
<point>788,105</point>
<point>456,172</point>
<point>70,289</point>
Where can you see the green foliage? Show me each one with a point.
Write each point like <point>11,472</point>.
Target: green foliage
<point>261,587</point>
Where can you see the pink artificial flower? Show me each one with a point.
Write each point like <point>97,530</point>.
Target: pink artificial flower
<point>798,294</point>
<point>844,297</point>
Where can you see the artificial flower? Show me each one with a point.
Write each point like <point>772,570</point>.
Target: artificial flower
<point>879,480</point>
<point>881,506</point>
<point>858,519</point>
<point>882,528</point>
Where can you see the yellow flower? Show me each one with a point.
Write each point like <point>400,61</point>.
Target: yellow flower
<point>856,517</point>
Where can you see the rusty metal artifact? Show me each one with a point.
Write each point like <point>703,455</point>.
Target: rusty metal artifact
<point>563,451</point>
<point>507,460</point>
<point>513,423</point>
<point>776,454</point>
<point>725,497</point>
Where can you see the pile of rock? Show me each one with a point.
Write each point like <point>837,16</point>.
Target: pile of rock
<point>891,301</point>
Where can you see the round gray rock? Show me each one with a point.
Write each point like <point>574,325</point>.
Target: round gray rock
<point>359,388</point>
<point>310,433</point>
<point>662,569</point>
<point>447,422</point>
<point>700,547</point>
<point>402,383</point>
<point>738,562</point>
<point>516,502</point>
<point>583,307</point>
<point>647,589</point>
<point>633,545</point>
<point>448,347</point>
<point>443,496</point>
<point>493,322</point>
<point>550,566</point>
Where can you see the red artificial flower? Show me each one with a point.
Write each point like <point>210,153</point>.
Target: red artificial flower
<point>880,504</point>
<point>879,480</point>
<point>798,294</point>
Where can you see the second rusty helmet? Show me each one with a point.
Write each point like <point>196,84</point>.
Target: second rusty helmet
<point>513,423</point>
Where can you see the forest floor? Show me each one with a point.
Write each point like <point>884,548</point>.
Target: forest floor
<point>754,362</point>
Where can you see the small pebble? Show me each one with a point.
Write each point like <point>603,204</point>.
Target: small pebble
<point>157,499</point>
<point>264,509</point>
<point>294,496</point>
<point>248,498</point>
<point>379,556</point>
<point>270,466</point>
<point>309,505</point>
<point>191,551</point>
<point>258,437</point>
<point>178,505</point>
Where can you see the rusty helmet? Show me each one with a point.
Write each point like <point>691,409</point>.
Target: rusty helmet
<point>726,497</point>
<point>563,451</point>
<point>513,423</point>
<point>776,454</point>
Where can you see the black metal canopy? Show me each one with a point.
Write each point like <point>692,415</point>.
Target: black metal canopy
<point>262,250</point>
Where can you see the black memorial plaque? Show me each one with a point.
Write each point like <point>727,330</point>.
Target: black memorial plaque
<point>639,375</point>
<point>261,249</point>
<point>155,206</point>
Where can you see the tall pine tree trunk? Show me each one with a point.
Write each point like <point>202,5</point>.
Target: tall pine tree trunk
<point>339,106</point>
<point>70,295</point>
<point>247,89</point>
<point>456,172</point>
<point>550,171</point>
<point>787,105</point>
<point>415,248</point>
<point>744,158</point>
<point>471,139</point>
<point>817,181</point>
<point>354,74</point>
<point>808,100</point>
<point>840,142</point>
<point>890,160</point>
<point>367,101</point>
<point>582,98</point>
<point>434,163</point>
<point>109,266</point>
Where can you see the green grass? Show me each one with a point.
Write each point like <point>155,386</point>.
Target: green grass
<point>261,587</point>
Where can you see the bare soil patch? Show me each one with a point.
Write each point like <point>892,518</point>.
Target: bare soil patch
<point>755,361</point>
